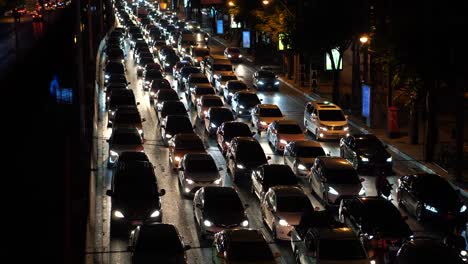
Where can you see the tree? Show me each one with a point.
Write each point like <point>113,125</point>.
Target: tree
<point>275,21</point>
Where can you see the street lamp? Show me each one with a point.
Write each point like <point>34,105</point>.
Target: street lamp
<point>231,3</point>
<point>267,2</point>
<point>363,39</point>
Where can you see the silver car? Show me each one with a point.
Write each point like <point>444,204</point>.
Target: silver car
<point>198,170</point>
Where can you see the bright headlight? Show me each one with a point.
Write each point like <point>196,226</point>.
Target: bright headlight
<point>207,223</point>
<point>283,222</point>
<point>218,181</point>
<point>362,191</point>
<point>147,82</point>
<point>152,93</point>
<point>168,135</point>
<point>107,76</point>
<point>463,209</point>
<point>261,82</point>
<point>263,123</point>
<point>159,105</point>
<point>372,262</point>
<point>229,56</point>
<point>245,223</point>
<point>346,128</point>
<point>113,153</point>
<point>282,141</point>
<point>140,131</point>
<point>301,167</point>
<point>231,94</point>
<point>430,208</point>
<point>389,159</point>
<point>332,191</point>
<point>156,213</point>
<point>166,64</point>
<point>213,125</point>
<point>189,181</point>
<point>205,112</point>
<point>240,55</point>
<point>177,158</point>
<point>324,128</point>
<point>118,214</point>
<point>239,166</point>
<point>277,83</point>
<point>463,253</point>
<point>241,107</point>
<point>364,159</point>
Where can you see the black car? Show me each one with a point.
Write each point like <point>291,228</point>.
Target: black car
<point>171,108</point>
<point>427,250</point>
<point>366,151</point>
<point>377,220</point>
<point>429,196</point>
<point>130,156</point>
<point>215,117</point>
<point>269,175</point>
<point>243,101</point>
<point>121,97</point>
<point>142,63</point>
<point>169,61</point>
<point>175,124</point>
<point>149,77</point>
<point>229,130</point>
<point>135,196</point>
<point>233,87</point>
<point>184,74</point>
<point>244,155</point>
<point>218,208</point>
<point>242,246</point>
<point>116,78</point>
<point>157,243</point>
<point>112,87</point>
<point>265,80</point>
<point>115,55</point>
<point>164,95</point>
<point>113,68</point>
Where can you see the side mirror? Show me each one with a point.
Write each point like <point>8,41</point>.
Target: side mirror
<point>109,193</point>
<point>187,247</point>
<point>385,146</point>
<point>261,100</point>
<point>181,98</point>
<point>268,158</point>
<point>231,157</point>
<point>194,126</point>
<point>329,154</point>
<point>129,83</point>
<point>162,192</point>
<point>163,126</point>
<point>181,169</point>
<point>253,133</point>
<point>220,255</point>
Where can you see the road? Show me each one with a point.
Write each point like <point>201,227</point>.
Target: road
<point>178,211</point>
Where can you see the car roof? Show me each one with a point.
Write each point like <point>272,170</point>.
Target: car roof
<point>227,73</point>
<point>335,163</point>
<point>245,139</point>
<point>267,106</point>
<point>286,190</point>
<point>124,130</point>
<point>246,91</point>
<point>321,105</point>
<point>187,136</point>
<point>210,96</point>
<point>240,235</point>
<point>214,191</point>
<point>219,109</point>
<point>336,233</point>
<point>286,122</point>
<point>198,156</point>
<point>307,143</point>
<point>197,75</point>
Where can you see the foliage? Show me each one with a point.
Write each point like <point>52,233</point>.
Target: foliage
<point>275,22</point>
<point>408,85</point>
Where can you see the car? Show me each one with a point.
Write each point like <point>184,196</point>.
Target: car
<point>115,55</point>
<point>135,196</point>
<point>232,87</point>
<point>233,54</point>
<point>113,68</point>
<point>156,85</point>
<point>281,132</point>
<point>169,61</point>
<point>325,120</point>
<point>173,125</point>
<point>171,108</point>
<point>265,80</point>
<point>157,243</point>
<point>282,208</point>
<point>216,209</point>
<point>184,75</point>
<point>322,244</point>
<point>151,66</point>
<point>243,102</point>
<point>269,175</point>
<point>229,130</point>
<point>178,67</point>
<point>198,170</point>
<point>128,117</point>
<point>378,221</point>
<point>263,114</point>
<point>220,79</point>
<point>242,246</point>
<point>243,156</point>
<point>194,93</point>
<point>195,79</point>
<point>366,152</point>
<point>181,144</point>
<point>121,140</point>
<point>116,78</point>
<point>112,87</point>
<point>215,117</point>
<point>198,53</point>
<point>333,179</point>
<point>37,16</point>
<point>142,62</point>
<point>429,196</point>
<point>149,76</point>
<point>215,66</point>
<point>300,156</point>
<point>425,249</point>
<point>205,102</point>
<point>119,98</point>
<point>164,95</point>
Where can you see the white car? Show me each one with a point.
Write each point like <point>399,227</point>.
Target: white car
<point>198,170</point>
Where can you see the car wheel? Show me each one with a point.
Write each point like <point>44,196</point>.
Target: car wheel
<point>419,213</point>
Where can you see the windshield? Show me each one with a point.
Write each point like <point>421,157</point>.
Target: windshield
<point>199,80</point>
<point>221,115</point>
<point>225,203</point>
<point>368,143</point>
<point>266,74</point>
<point>248,99</point>
<point>233,50</point>
<point>237,86</point>
<point>249,251</point>
<point>204,91</point>
<point>164,242</point>
<point>127,117</point>
<point>270,112</point>
<point>428,187</point>
<point>236,131</point>
<point>188,70</point>
<point>212,102</point>
<point>126,139</point>
<point>170,96</point>
<point>191,144</point>
<point>289,129</point>
<point>310,152</point>
<point>331,115</point>
<point>251,151</point>
<point>153,74</point>
<point>201,53</point>
<point>226,78</point>
<point>349,249</point>
<point>342,177</point>
<point>222,67</point>
<point>122,100</point>
<point>204,165</point>
<point>136,190</point>
<point>292,204</point>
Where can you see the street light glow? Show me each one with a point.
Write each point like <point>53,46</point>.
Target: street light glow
<point>231,3</point>
<point>363,39</point>
<point>265,2</point>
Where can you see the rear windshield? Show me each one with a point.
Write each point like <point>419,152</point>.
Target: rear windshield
<point>289,129</point>
<point>293,204</point>
<point>226,78</point>
<point>126,139</point>
<point>237,85</point>
<point>270,112</point>
<point>201,53</point>
<point>204,91</point>
<point>212,102</point>
<point>122,100</point>
<point>265,74</point>
<point>349,249</point>
<point>207,165</point>
<point>199,80</point>
<point>310,152</point>
<point>127,117</point>
<point>190,144</point>
<point>222,67</point>
<point>342,177</point>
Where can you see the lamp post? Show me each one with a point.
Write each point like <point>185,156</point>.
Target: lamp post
<point>356,102</point>
<point>267,2</point>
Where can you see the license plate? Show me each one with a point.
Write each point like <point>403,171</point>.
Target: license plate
<point>269,86</point>
<point>137,222</point>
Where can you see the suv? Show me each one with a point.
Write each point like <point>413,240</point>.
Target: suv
<point>216,66</point>
<point>325,120</point>
<point>334,178</point>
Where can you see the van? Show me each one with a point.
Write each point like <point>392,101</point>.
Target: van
<point>325,120</point>
<point>215,66</point>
